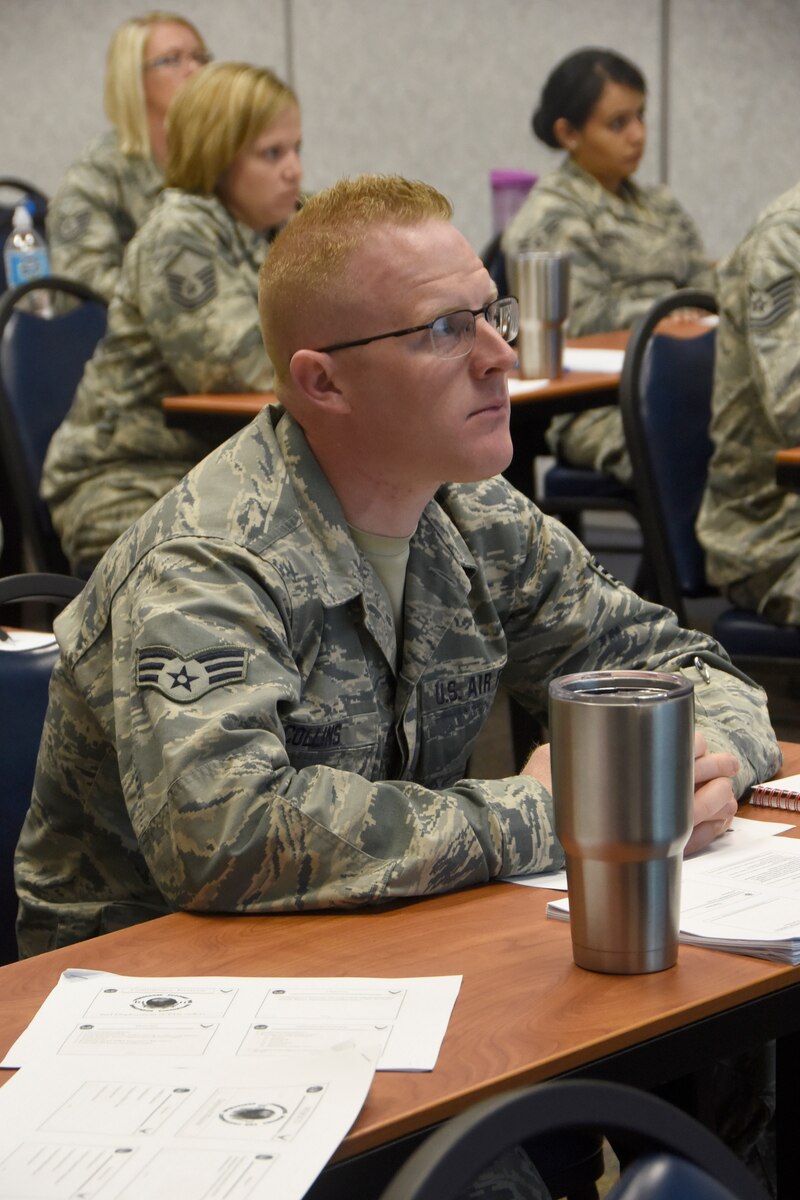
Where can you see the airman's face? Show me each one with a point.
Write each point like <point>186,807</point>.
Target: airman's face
<point>172,53</point>
<point>611,143</point>
<point>262,185</point>
<point>415,417</point>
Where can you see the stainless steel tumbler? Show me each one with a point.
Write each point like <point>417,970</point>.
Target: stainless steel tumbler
<point>622,747</point>
<point>540,281</point>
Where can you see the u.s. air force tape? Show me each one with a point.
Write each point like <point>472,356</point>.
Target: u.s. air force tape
<point>183,679</point>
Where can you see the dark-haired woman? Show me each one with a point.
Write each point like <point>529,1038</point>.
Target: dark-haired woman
<point>629,243</point>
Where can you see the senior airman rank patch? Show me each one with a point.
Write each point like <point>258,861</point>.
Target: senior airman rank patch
<point>191,279</point>
<point>184,679</point>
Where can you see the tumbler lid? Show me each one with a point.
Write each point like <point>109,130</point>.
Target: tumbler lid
<point>620,687</point>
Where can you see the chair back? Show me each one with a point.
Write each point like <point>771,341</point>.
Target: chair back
<point>37,202</point>
<point>494,260</point>
<point>665,397</point>
<point>25,668</point>
<point>667,1177</point>
<point>41,363</point>
<point>445,1165</point>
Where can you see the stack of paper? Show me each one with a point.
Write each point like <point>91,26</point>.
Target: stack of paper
<point>740,895</point>
<point>203,1087</point>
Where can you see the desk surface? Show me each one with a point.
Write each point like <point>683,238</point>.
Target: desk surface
<point>525,1012</point>
<point>787,468</point>
<point>248,404</point>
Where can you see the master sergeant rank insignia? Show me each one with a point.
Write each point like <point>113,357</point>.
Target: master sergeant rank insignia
<point>185,679</point>
<point>191,279</point>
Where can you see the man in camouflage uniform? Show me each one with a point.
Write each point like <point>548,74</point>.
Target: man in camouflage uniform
<point>184,320</point>
<point>253,711</point>
<point>100,203</point>
<point>626,251</point>
<point>749,526</point>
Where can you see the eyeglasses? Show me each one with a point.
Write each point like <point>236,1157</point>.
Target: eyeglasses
<point>453,335</point>
<point>171,62</point>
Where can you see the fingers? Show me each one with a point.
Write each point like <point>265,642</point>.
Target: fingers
<point>703,835</point>
<point>714,766</point>
<point>714,808</point>
<point>714,801</point>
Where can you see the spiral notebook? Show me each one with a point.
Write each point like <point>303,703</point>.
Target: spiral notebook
<point>778,793</point>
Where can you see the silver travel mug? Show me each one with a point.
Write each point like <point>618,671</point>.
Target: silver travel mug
<point>622,752</point>
<point>540,281</point>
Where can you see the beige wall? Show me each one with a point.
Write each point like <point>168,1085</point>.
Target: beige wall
<point>444,91</point>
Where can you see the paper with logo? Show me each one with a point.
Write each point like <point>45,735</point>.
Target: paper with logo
<point>121,1129</point>
<point>94,1014</point>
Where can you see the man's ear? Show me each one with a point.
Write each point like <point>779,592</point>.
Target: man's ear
<point>314,375</point>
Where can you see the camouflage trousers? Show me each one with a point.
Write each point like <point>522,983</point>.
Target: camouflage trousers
<point>512,1176</point>
<point>775,593</point>
<point>593,439</point>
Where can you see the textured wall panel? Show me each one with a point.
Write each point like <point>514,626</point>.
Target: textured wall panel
<point>52,60</point>
<point>734,127</point>
<point>444,92</point>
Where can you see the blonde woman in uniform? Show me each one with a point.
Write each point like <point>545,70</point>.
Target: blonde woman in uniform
<point>185,315</point>
<point>108,192</point>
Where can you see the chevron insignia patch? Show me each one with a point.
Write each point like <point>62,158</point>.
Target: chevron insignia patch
<point>186,679</point>
<point>191,279</point>
<point>769,306</point>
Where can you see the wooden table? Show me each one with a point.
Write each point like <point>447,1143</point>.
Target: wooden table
<point>574,388</point>
<point>531,411</point>
<point>787,468</point>
<point>525,1013</point>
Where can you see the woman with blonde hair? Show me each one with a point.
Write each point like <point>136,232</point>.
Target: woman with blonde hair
<point>107,193</point>
<point>185,313</point>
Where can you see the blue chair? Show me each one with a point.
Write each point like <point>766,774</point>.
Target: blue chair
<point>41,363</point>
<point>667,1154</point>
<point>568,491</point>
<point>665,397</point>
<point>24,680</point>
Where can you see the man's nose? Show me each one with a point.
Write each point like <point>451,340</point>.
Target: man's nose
<point>491,351</point>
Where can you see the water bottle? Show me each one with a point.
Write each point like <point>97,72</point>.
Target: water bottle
<point>25,258</point>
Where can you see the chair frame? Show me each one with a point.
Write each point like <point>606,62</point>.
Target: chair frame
<point>23,664</point>
<point>44,552</point>
<point>22,185</point>
<point>651,513</point>
<point>443,1167</point>
<point>58,589</point>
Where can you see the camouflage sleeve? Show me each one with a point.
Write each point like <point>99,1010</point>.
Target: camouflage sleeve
<point>588,621</point>
<point>85,230</point>
<point>223,818</point>
<point>200,302</point>
<point>773,322</point>
<point>699,272</point>
<point>602,295</point>
<point>598,301</point>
